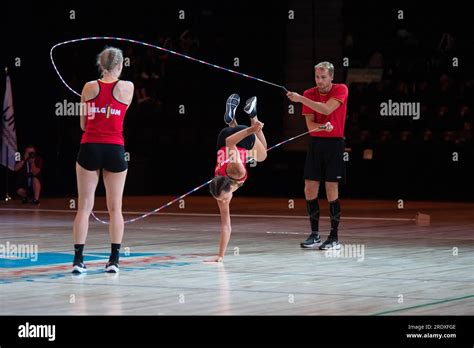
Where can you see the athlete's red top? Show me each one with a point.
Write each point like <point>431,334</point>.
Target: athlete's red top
<point>105,115</point>
<point>337,117</point>
<point>223,160</point>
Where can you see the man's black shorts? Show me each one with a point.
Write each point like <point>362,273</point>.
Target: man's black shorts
<point>324,160</point>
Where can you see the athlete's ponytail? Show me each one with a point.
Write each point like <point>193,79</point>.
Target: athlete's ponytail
<point>218,185</point>
<point>109,59</point>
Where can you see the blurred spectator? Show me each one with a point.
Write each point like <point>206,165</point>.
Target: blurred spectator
<point>188,43</point>
<point>427,136</point>
<point>29,175</point>
<point>447,43</point>
<point>376,60</point>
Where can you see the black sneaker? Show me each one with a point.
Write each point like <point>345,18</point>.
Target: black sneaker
<point>35,202</point>
<point>330,244</point>
<point>78,268</point>
<point>230,107</point>
<point>313,240</point>
<point>112,266</point>
<point>251,107</point>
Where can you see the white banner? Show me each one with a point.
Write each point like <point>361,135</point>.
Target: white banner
<point>8,138</point>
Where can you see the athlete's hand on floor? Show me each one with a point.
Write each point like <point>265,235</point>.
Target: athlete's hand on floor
<point>214,259</point>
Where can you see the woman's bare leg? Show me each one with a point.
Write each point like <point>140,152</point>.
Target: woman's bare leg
<point>86,184</point>
<point>259,150</point>
<point>260,134</point>
<point>114,186</point>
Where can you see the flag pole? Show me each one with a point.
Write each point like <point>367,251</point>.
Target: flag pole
<point>7,196</point>
<point>7,172</point>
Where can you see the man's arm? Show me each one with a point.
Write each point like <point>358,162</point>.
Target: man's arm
<point>323,108</point>
<point>317,127</point>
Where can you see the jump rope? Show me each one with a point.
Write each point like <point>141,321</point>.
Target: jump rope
<point>183,56</point>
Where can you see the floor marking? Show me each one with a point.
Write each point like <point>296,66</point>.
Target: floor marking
<point>425,305</point>
<point>211,215</point>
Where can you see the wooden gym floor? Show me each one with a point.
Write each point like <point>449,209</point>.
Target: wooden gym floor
<point>388,266</point>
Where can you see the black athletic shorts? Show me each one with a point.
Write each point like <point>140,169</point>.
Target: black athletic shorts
<point>324,160</point>
<point>94,156</point>
<point>246,143</point>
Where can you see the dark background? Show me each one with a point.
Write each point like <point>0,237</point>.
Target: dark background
<point>172,153</point>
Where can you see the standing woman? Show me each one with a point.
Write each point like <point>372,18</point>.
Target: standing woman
<point>102,147</point>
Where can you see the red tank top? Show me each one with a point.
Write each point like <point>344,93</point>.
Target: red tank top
<point>223,161</point>
<point>105,115</point>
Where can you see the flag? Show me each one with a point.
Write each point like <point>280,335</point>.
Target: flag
<point>8,138</point>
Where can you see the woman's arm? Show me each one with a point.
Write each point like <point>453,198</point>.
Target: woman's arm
<point>235,138</point>
<point>236,166</point>
<point>84,97</point>
<point>130,92</point>
<point>224,208</point>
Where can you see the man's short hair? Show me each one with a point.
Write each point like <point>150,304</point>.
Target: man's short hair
<point>325,65</point>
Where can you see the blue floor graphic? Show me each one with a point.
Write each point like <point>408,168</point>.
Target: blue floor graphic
<point>55,258</point>
<point>29,271</point>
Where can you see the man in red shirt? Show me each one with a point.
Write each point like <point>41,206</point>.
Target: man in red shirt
<point>324,108</point>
